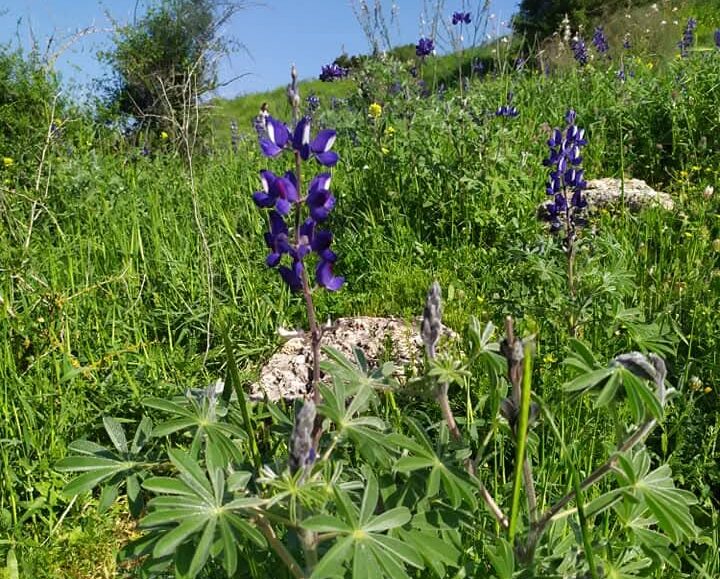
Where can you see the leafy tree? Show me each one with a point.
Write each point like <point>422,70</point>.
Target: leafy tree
<point>166,62</point>
<point>538,19</point>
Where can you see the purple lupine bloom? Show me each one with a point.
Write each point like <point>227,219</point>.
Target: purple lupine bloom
<point>313,103</point>
<point>277,138</point>
<point>717,38</point>
<point>280,195</point>
<point>478,67</point>
<point>566,180</point>
<point>331,72</point>
<point>277,239</point>
<point>580,51</point>
<point>278,192</point>
<point>319,198</point>
<point>424,47</point>
<point>599,40</point>
<point>688,37</point>
<point>507,110</point>
<point>461,17</point>
<point>626,42</point>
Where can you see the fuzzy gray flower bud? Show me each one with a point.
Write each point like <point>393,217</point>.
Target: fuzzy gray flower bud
<point>302,453</point>
<point>432,319</point>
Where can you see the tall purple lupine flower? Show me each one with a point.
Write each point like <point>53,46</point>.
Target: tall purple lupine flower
<point>688,38</point>
<point>461,17</point>
<point>566,182</point>
<point>580,51</point>
<point>599,40</point>
<point>717,38</point>
<point>424,47</point>
<point>566,185</point>
<point>281,195</point>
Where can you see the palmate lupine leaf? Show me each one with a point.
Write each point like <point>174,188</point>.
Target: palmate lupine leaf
<point>445,472</point>
<point>205,418</point>
<point>668,505</point>
<point>196,514</point>
<point>110,468</point>
<point>362,545</point>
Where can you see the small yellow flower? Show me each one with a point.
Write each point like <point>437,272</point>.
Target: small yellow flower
<point>384,150</point>
<point>549,359</point>
<point>390,131</point>
<point>707,390</point>
<point>8,161</point>
<point>164,136</point>
<point>650,65</point>
<point>684,174</point>
<point>375,110</point>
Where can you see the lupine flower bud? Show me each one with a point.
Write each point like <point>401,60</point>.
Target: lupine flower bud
<point>302,453</point>
<point>432,319</point>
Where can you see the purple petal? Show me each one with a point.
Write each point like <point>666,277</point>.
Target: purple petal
<point>328,159</point>
<point>292,277</point>
<point>321,241</point>
<point>263,199</point>
<point>278,132</point>
<point>325,277</point>
<point>320,182</point>
<point>301,138</point>
<point>283,206</point>
<point>277,224</point>
<point>269,149</point>
<point>273,259</point>
<point>323,142</point>
<point>267,177</point>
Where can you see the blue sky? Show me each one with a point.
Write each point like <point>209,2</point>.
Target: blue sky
<point>275,34</point>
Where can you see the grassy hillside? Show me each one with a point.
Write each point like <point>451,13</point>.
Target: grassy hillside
<point>124,277</point>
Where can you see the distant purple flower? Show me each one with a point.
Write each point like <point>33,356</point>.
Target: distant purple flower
<point>688,38</point>
<point>599,40</point>
<point>478,67</point>
<point>717,38</point>
<point>626,42</point>
<point>313,103</point>
<point>461,17</point>
<point>580,51</point>
<point>507,110</point>
<point>566,182</point>
<point>330,72</point>
<point>424,47</point>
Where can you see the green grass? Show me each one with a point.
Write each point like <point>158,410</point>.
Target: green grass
<point>115,298</point>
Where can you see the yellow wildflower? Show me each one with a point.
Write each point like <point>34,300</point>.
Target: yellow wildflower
<point>389,131</point>
<point>549,358</point>
<point>8,161</point>
<point>707,390</point>
<point>164,136</point>
<point>384,150</point>
<point>683,174</point>
<point>374,110</point>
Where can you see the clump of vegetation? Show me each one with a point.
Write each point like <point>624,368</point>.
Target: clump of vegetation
<point>137,306</point>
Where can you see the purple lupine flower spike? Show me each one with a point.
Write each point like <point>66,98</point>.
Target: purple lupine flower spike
<point>424,47</point>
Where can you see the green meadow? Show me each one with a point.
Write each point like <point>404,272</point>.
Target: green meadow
<point>128,279</point>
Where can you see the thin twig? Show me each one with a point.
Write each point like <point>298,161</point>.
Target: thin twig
<point>280,548</point>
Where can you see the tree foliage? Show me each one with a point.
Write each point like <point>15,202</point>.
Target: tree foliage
<point>166,61</point>
<point>538,19</point>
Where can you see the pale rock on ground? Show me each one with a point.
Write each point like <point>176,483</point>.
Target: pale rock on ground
<point>607,193</point>
<point>288,372</point>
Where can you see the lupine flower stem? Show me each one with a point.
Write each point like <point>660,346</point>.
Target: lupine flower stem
<point>279,548</point>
